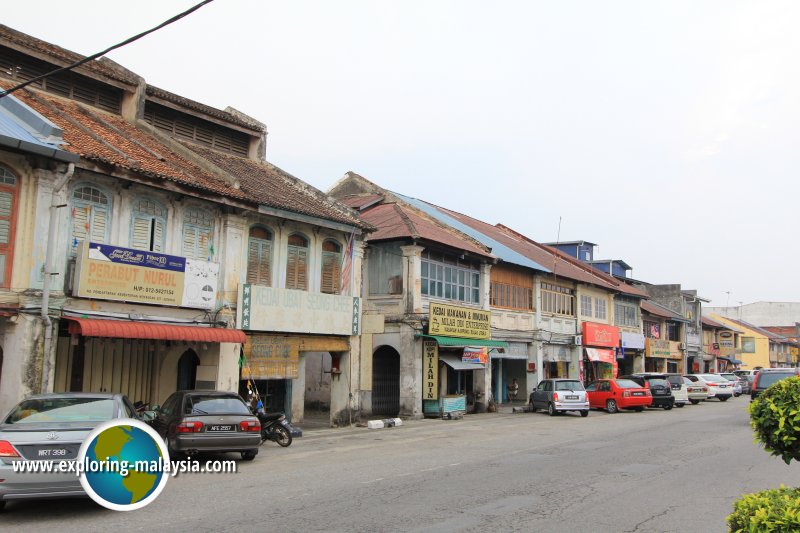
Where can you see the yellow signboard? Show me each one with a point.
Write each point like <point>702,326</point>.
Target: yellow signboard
<point>454,321</point>
<point>271,357</point>
<point>430,369</point>
<point>662,348</point>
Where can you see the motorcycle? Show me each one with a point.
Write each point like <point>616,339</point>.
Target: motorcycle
<point>275,427</point>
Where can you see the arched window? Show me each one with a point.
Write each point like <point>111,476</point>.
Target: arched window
<point>259,256</point>
<point>91,216</point>
<point>198,234</point>
<point>297,263</point>
<point>8,218</point>
<point>331,267</point>
<point>148,220</point>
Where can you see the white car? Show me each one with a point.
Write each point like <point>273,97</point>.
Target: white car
<point>718,386</point>
<point>697,392</point>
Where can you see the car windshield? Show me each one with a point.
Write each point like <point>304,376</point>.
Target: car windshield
<point>729,377</point>
<point>765,379</point>
<point>627,384</point>
<point>569,385</point>
<point>215,405</point>
<point>688,381</point>
<point>36,411</point>
<point>656,382</point>
<point>675,380</point>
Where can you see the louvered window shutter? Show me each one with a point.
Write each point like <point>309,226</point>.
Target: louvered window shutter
<point>291,268</point>
<point>80,221</point>
<point>190,244</point>
<point>259,262</point>
<point>99,225</point>
<point>302,269</point>
<point>331,272</point>
<point>6,210</point>
<point>158,235</point>
<point>141,233</point>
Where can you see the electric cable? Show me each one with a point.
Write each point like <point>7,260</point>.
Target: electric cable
<point>92,57</point>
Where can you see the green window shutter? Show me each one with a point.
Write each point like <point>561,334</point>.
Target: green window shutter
<point>190,242</point>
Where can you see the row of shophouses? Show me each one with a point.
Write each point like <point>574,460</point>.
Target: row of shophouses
<point>147,246</point>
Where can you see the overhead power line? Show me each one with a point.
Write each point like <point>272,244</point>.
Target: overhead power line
<point>107,50</point>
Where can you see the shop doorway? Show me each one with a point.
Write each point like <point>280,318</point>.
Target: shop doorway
<point>187,370</point>
<point>317,399</point>
<point>386,381</point>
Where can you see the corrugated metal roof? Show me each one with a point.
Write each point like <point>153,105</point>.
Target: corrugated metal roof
<point>18,124</point>
<point>498,249</point>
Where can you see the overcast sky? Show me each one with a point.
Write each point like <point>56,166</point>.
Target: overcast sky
<point>666,132</point>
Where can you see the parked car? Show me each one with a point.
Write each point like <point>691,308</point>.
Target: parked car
<point>697,392</point>
<point>659,387</point>
<point>769,376</point>
<point>51,427</point>
<point>679,390</point>
<point>559,396</point>
<point>615,394</point>
<point>736,380</point>
<point>718,387</point>
<point>208,421</point>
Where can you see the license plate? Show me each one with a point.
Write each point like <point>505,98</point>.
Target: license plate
<point>572,397</point>
<point>49,453</point>
<point>638,394</point>
<point>228,427</point>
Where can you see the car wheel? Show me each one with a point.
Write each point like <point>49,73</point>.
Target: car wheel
<point>668,407</point>
<point>249,455</point>
<point>723,398</point>
<point>533,407</point>
<point>584,414</point>
<point>694,402</point>
<point>2,505</point>
<point>611,406</point>
<point>551,409</point>
<point>679,404</point>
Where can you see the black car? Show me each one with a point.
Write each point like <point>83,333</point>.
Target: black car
<point>660,388</point>
<point>767,377</point>
<point>207,421</point>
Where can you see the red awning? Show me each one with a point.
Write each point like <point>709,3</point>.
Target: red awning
<point>125,329</point>
<point>597,354</point>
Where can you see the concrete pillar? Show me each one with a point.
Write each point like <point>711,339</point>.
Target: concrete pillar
<point>299,391</point>
<point>342,410</point>
<point>228,366</point>
<point>412,273</point>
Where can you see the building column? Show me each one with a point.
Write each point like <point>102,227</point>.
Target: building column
<point>412,284</point>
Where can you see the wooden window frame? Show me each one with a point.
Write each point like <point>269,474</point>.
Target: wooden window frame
<point>7,249</point>
<point>152,220</point>
<point>197,228</point>
<point>331,266</point>
<point>558,300</point>
<point>94,207</point>
<point>261,276</point>
<point>297,280</point>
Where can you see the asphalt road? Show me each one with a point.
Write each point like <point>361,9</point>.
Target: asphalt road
<point>655,471</point>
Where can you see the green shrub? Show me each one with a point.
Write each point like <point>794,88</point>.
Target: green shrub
<point>775,417</point>
<point>775,510</point>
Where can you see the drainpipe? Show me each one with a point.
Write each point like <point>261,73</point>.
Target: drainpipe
<point>60,183</point>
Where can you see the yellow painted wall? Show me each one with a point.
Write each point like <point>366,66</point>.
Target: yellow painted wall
<point>749,360</point>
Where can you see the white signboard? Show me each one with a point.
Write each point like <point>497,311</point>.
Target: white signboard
<point>269,309</point>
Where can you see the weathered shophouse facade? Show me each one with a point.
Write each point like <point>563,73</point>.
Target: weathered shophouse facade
<point>169,213</point>
<point>719,347</point>
<point>420,276</point>
<point>664,333</point>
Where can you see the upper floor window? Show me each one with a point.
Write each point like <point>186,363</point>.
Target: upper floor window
<point>91,216</point>
<point>195,129</point>
<point>748,344</point>
<point>8,204</point>
<point>586,305</point>
<point>652,330</point>
<point>198,234</point>
<point>626,314</point>
<point>259,256</point>
<point>331,267</point>
<point>673,331</point>
<point>600,308</point>
<point>558,300</point>
<point>449,278</point>
<point>511,289</point>
<point>297,263</point>
<point>148,223</point>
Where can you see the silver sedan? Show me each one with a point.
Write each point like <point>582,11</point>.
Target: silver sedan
<point>51,427</point>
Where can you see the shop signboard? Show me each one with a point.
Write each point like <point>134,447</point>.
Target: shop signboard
<point>270,357</point>
<point>662,348</point>
<point>631,341</point>
<point>727,347</point>
<point>270,309</point>
<point>455,321</point>
<point>430,362</point>
<point>595,334</point>
<point>475,355</point>
<point>556,353</point>
<point>107,272</point>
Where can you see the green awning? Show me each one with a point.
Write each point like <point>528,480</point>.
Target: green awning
<point>459,342</point>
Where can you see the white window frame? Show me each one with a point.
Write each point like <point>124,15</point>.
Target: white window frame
<point>198,227</point>
<point>152,219</point>
<point>586,305</point>
<point>94,208</point>
<point>600,310</point>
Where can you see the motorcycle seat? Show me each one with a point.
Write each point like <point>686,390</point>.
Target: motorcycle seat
<point>270,416</point>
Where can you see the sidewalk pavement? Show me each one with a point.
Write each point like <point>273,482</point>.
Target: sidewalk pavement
<point>321,432</point>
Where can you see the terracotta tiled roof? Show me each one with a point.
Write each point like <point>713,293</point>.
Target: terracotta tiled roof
<point>268,185</point>
<point>361,201</point>
<point>397,220</point>
<point>713,323</point>
<point>109,139</point>
<point>62,57</point>
<point>785,331</point>
<point>212,111</point>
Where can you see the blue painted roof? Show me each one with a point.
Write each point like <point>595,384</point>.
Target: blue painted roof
<point>24,129</point>
<point>498,249</point>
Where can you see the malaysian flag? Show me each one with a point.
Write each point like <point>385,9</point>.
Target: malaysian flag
<point>347,263</point>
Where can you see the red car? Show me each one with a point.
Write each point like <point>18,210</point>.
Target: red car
<point>615,394</point>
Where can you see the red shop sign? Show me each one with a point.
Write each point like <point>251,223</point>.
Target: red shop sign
<point>595,334</point>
